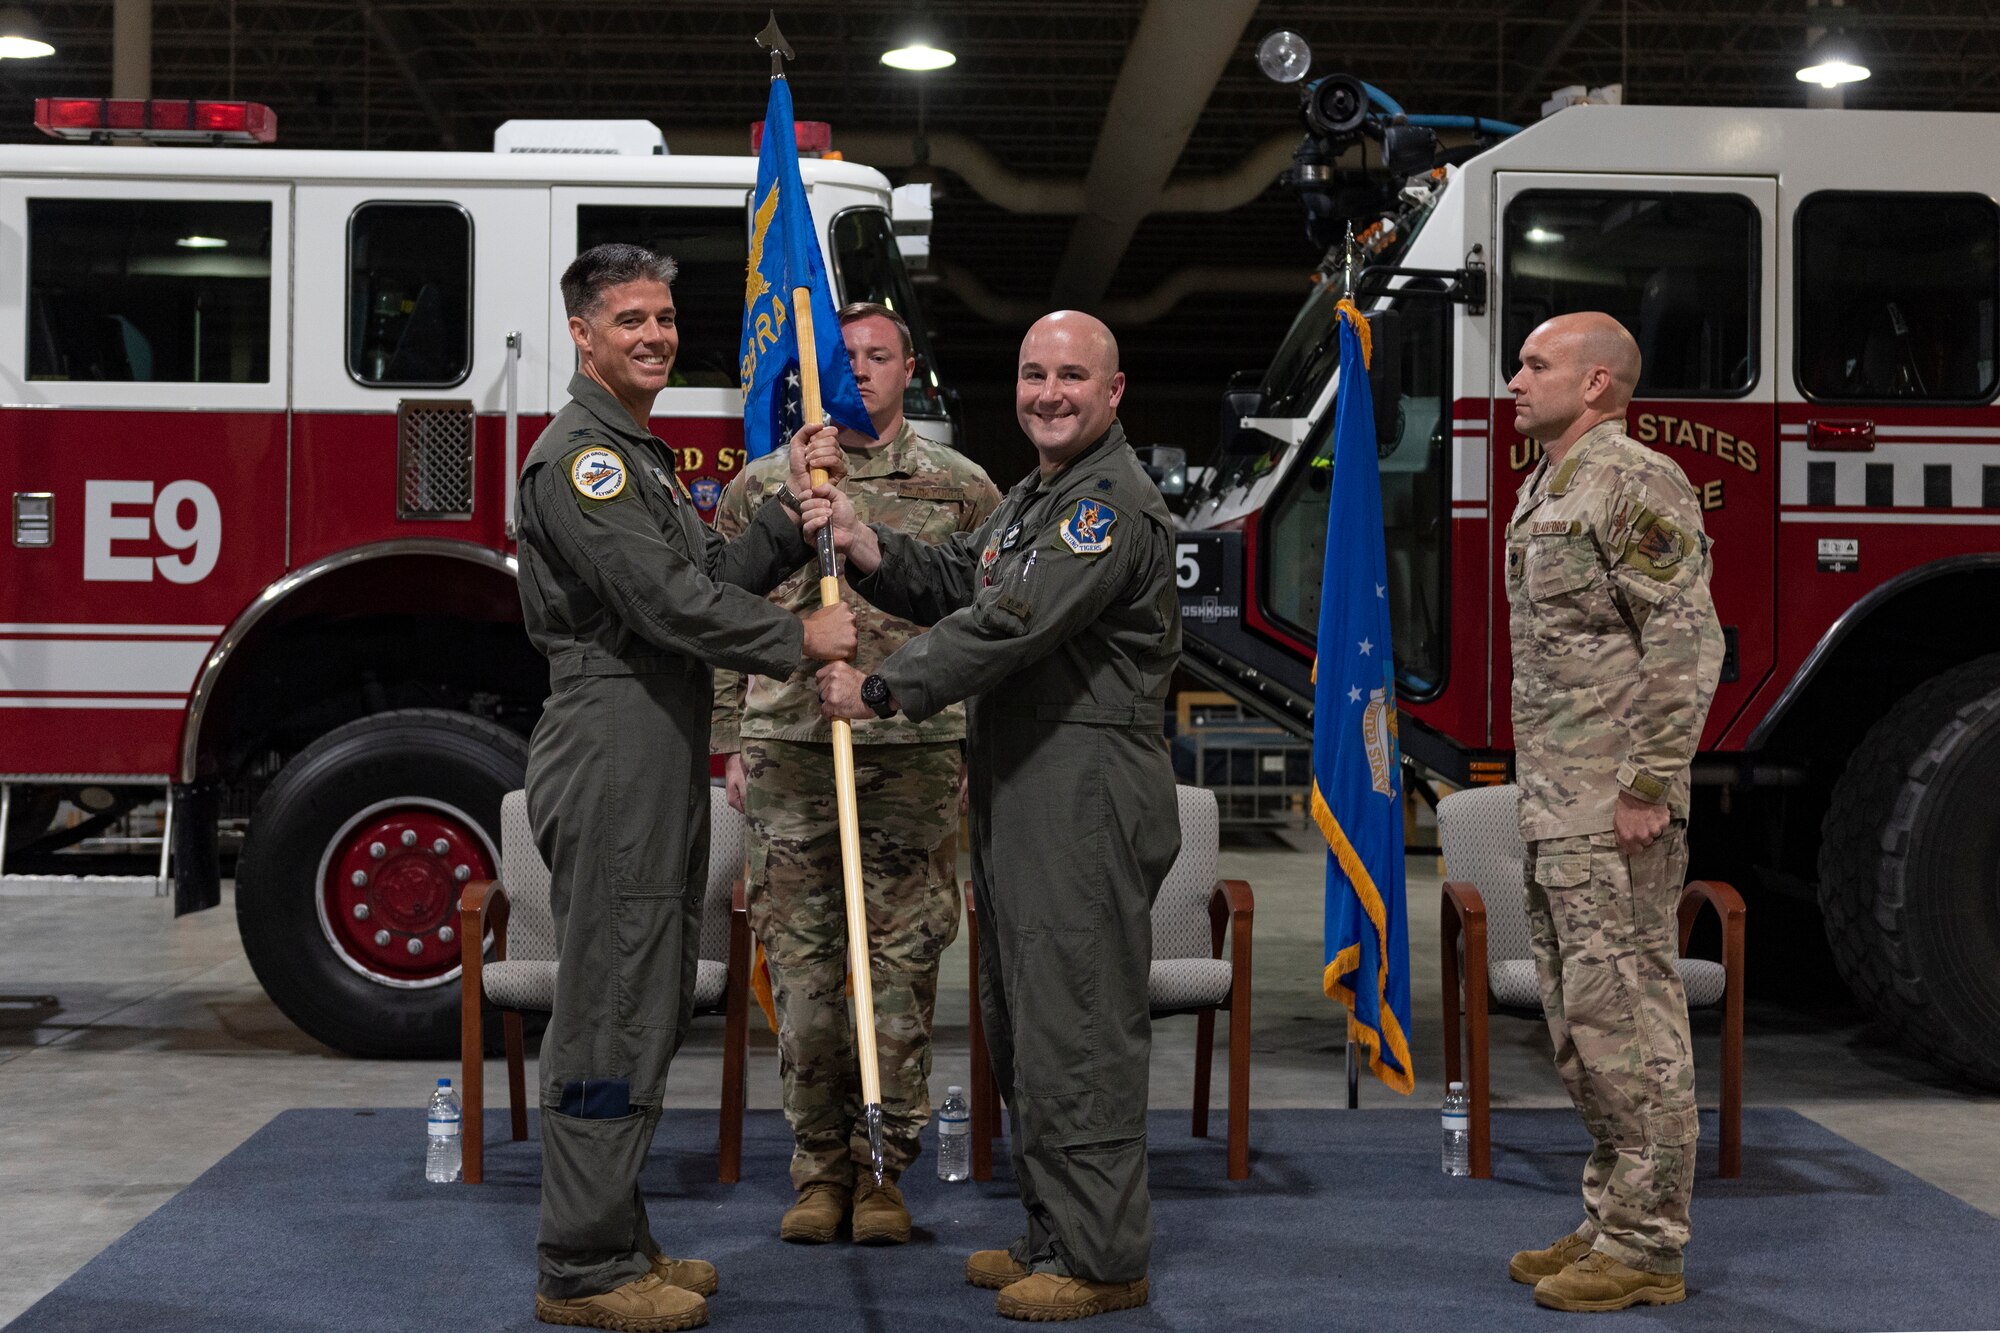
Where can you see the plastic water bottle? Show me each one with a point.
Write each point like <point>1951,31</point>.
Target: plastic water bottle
<point>954,1136</point>
<point>1457,1136</point>
<point>442,1148</point>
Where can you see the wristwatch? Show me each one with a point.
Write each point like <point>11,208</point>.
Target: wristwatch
<point>875,693</point>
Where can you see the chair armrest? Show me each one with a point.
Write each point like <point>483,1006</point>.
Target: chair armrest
<point>1726,901</point>
<point>739,896</point>
<point>482,907</point>
<point>1464,900</point>
<point>1230,903</point>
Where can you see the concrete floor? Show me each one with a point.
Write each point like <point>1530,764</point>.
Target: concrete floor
<point>164,1055</point>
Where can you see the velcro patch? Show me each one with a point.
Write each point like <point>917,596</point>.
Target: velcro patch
<point>919,490</point>
<point>1087,531</point>
<point>1656,549</point>
<point>598,474</point>
<point>1555,527</point>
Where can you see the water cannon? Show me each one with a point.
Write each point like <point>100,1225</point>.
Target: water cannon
<point>1339,111</point>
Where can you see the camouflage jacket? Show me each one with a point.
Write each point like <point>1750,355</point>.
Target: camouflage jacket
<point>911,484</point>
<point>1615,641</point>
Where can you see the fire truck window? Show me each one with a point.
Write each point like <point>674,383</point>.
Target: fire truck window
<point>1415,510</point>
<point>713,252</point>
<point>1897,297</point>
<point>409,294</point>
<point>869,267</point>
<point>1679,269</point>
<point>168,291</point>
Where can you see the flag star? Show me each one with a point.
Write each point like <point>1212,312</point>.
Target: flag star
<point>1381,590</point>
<point>792,380</point>
<point>1366,647</point>
<point>1354,694</point>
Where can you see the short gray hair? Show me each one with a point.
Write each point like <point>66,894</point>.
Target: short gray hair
<point>609,265</point>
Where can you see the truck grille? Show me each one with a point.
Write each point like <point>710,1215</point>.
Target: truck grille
<point>433,458</point>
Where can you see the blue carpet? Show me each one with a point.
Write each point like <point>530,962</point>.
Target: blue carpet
<point>322,1221</point>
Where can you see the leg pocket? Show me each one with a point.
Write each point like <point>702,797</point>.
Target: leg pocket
<point>1055,996</point>
<point>649,930</point>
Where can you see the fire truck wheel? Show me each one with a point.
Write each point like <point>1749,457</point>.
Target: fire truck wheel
<point>1910,870</point>
<point>347,888</point>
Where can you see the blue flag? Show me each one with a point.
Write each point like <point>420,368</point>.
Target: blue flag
<point>784,254</point>
<point>1357,797</point>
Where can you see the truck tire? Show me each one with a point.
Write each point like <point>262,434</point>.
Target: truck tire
<point>1910,870</point>
<point>347,887</point>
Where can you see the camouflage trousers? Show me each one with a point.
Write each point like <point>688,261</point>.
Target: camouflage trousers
<point>1604,929</point>
<point>908,803</point>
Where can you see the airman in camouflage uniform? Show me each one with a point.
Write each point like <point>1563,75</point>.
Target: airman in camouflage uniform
<point>907,782</point>
<point>1616,654</point>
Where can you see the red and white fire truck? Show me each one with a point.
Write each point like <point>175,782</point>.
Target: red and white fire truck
<point>1817,297</point>
<point>260,418</point>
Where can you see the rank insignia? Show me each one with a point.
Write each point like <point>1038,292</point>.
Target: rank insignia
<point>1088,530</point>
<point>598,474</point>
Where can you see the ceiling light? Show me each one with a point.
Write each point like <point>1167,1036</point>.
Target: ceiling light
<point>21,38</point>
<point>1284,56</point>
<point>919,56</point>
<point>1543,236</point>
<point>202,243</point>
<point>1832,62</point>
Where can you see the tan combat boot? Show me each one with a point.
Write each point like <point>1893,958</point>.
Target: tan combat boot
<point>644,1305</point>
<point>1598,1282</point>
<point>814,1219</point>
<point>993,1269</point>
<point>695,1275</point>
<point>1531,1266</point>
<point>880,1216</point>
<point>1045,1298</point>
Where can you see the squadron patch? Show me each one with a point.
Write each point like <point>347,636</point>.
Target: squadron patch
<point>707,492</point>
<point>1088,530</point>
<point>598,474</point>
<point>1657,549</point>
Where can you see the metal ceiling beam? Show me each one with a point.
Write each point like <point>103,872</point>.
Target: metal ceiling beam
<point>1177,54</point>
<point>398,39</point>
<point>1529,89</point>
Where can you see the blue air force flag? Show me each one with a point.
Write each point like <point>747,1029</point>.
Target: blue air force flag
<point>784,254</point>
<point>1357,766</point>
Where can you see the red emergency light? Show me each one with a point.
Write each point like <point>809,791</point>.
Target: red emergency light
<point>165,120</point>
<point>815,137</point>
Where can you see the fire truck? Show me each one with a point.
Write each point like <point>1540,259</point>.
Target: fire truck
<point>261,414</point>
<point>1817,298</point>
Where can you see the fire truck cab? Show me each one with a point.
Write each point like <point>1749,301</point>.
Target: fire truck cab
<point>260,418</point>
<point>1817,298</point>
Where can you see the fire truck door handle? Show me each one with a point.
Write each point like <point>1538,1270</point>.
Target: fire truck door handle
<point>1840,437</point>
<point>513,429</point>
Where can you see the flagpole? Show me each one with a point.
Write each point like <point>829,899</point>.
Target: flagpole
<point>858,954</point>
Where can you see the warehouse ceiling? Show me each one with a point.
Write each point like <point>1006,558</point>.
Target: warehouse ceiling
<point>1036,90</point>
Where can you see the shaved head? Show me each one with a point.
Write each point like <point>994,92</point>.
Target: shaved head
<point>1068,385</point>
<point>1577,371</point>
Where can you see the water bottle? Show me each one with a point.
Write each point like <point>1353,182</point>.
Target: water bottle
<point>954,1136</point>
<point>441,1151</point>
<point>1457,1135</point>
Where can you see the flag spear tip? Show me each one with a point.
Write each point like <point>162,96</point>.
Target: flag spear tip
<point>773,40</point>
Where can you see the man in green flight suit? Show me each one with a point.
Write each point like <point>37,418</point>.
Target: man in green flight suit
<point>632,599</point>
<point>1058,622</point>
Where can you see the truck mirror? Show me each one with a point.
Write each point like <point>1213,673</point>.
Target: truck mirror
<point>1385,376</point>
<point>1243,398</point>
<point>1167,467</point>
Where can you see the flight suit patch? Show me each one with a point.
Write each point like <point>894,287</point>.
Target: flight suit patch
<point>597,474</point>
<point>1013,536</point>
<point>1087,531</point>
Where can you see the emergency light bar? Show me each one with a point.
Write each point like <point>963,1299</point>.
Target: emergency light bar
<point>167,120</point>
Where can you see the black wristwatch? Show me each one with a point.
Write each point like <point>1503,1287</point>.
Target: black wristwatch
<point>875,693</point>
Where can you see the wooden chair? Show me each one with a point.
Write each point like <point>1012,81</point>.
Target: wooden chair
<point>1191,918</point>
<point>521,975</point>
<point>1484,921</point>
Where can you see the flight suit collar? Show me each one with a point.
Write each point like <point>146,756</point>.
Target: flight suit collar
<point>595,399</point>
<point>1084,464</point>
<point>1581,450</point>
